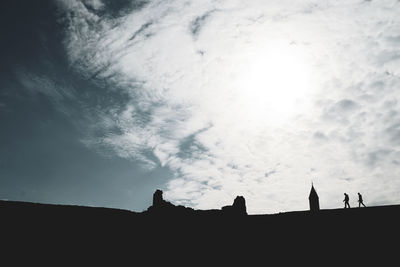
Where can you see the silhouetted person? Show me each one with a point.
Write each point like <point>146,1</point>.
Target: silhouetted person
<point>360,200</point>
<point>346,201</point>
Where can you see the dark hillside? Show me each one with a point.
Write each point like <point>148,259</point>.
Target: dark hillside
<point>43,231</point>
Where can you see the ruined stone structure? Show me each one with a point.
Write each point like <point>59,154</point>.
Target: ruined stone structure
<point>162,207</point>
<point>238,207</point>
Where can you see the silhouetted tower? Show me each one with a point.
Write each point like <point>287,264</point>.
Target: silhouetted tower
<point>313,199</point>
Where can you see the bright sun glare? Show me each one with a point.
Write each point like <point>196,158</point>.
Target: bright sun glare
<point>273,83</point>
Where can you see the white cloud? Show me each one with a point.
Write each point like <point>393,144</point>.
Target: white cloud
<point>299,90</point>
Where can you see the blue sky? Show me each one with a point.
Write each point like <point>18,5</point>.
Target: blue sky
<point>102,102</point>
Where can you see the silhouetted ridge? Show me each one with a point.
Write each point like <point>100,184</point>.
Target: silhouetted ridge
<point>71,231</point>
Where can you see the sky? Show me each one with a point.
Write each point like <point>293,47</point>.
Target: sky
<point>102,102</point>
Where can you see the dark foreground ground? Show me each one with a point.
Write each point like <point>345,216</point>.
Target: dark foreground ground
<point>75,235</point>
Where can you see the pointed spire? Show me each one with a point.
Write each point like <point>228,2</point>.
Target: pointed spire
<point>313,193</point>
<point>313,199</point>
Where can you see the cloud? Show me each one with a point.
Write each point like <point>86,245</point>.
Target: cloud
<point>375,157</point>
<point>142,29</point>
<point>198,22</point>
<point>94,4</point>
<point>320,136</point>
<point>224,118</point>
<point>56,91</point>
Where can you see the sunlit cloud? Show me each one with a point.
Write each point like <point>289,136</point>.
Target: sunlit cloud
<point>255,98</point>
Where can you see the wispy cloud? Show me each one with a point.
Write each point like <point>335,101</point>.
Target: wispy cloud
<point>56,91</point>
<point>212,117</point>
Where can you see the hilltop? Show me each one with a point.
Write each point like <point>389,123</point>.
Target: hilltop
<point>166,232</point>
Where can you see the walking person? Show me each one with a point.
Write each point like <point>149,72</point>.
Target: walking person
<point>346,201</point>
<point>360,200</point>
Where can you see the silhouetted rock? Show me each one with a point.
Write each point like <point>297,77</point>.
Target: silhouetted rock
<point>238,207</point>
